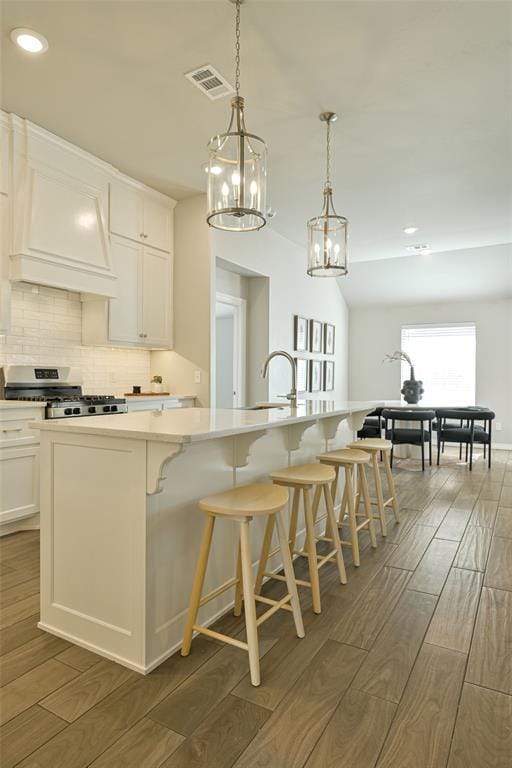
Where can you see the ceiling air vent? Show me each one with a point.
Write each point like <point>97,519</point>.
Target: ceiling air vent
<point>210,81</point>
<point>423,249</point>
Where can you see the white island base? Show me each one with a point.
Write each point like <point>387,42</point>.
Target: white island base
<point>120,526</point>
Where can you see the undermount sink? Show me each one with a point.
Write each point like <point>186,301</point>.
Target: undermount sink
<point>263,406</point>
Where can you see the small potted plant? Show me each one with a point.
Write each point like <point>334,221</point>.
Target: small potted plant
<point>156,384</point>
<point>412,389</point>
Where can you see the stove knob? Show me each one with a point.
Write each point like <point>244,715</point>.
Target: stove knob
<point>106,408</point>
<point>92,409</point>
<point>67,411</point>
<point>113,408</point>
<point>76,410</point>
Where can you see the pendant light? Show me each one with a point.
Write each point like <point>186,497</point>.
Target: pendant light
<point>237,166</point>
<point>327,233</point>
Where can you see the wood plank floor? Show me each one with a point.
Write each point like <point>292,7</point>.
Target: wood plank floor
<point>408,666</point>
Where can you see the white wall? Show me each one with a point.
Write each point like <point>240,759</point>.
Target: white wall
<point>46,329</point>
<point>291,291</point>
<point>375,332</point>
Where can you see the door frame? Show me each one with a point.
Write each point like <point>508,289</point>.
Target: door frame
<point>239,344</point>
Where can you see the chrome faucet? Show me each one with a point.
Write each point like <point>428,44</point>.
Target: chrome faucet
<point>292,394</point>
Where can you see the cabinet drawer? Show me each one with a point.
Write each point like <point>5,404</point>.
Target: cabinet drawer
<point>17,432</point>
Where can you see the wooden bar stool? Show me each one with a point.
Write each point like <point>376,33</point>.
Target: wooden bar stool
<point>302,478</point>
<point>352,460</point>
<point>374,446</point>
<point>240,505</point>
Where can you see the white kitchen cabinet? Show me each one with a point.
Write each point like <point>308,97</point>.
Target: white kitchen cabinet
<point>5,285</point>
<point>156,288</point>
<point>19,480</point>
<point>141,214</point>
<point>140,315</point>
<point>124,312</point>
<point>19,466</point>
<point>164,403</point>
<point>4,154</point>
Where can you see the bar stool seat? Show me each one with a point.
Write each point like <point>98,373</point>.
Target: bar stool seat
<point>302,478</point>
<point>254,500</point>
<point>304,475</point>
<point>240,505</point>
<point>375,445</point>
<point>351,460</point>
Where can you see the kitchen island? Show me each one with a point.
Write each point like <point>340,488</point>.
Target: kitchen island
<point>120,526</point>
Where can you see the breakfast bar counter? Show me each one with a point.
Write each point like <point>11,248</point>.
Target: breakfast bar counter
<point>120,525</point>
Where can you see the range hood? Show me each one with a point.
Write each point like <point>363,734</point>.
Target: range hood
<point>58,213</point>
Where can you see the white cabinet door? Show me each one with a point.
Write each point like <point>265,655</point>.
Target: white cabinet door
<point>19,481</point>
<point>4,157</point>
<point>156,298</point>
<point>157,224</point>
<point>126,211</point>
<point>5,285</point>
<point>125,310</point>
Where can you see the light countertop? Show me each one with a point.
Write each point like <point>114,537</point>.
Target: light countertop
<point>189,425</point>
<point>157,396</point>
<point>7,404</point>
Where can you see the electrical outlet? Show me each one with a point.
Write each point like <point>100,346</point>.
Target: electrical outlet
<point>197,377</point>
<point>497,426</point>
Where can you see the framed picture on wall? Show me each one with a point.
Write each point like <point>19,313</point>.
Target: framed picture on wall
<point>300,333</point>
<point>315,336</point>
<point>329,331</point>
<point>302,374</point>
<point>315,376</point>
<point>328,375</point>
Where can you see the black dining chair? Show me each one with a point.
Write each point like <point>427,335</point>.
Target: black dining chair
<point>460,423</point>
<point>410,435</point>
<point>373,424</point>
<point>468,432</point>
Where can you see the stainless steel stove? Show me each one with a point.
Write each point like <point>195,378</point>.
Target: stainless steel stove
<point>60,387</point>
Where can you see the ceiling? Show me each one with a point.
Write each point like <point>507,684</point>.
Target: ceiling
<point>463,275</point>
<point>423,90</point>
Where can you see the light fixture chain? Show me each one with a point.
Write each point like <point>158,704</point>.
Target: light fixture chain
<point>237,49</point>
<point>328,169</point>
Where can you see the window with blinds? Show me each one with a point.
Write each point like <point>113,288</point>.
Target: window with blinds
<point>444,358</point>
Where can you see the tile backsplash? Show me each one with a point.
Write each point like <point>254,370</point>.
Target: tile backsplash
<point>46,329</point>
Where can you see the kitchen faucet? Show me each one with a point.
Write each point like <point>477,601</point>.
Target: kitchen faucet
<point>292,394</point>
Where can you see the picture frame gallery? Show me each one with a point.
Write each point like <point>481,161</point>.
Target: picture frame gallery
<point>314,337</point>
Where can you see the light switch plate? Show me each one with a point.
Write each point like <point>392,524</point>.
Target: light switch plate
<point>498,426</point>
<point>197,377</point>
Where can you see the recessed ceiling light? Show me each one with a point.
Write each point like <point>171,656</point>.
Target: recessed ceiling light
<point>30,41</point>
<point>410,230</point>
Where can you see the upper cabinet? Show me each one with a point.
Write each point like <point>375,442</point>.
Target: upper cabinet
<point>59,213</point>
<point>140,214</point>
<point>4,154</point>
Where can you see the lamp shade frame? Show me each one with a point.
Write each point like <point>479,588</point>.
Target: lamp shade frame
<point>327,241</point>
<point>237,171</point>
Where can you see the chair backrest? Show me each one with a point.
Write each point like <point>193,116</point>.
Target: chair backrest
<point>403,415</point>
<point>466,414</point>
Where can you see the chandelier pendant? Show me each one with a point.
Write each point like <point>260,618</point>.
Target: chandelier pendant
<point>237,167</point>
<point>327,233</point>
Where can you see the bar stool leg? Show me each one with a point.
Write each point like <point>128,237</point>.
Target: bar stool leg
<point>265,549</point>
<point>391,486</point>
<point>352,520</point>
<point>293,520</point>
<point>249,604</point>
<point>288,572</point>
<point>197,587</point>
<point>335,535</point>
<point>378,489</point>
<point>311,550</point>
<point>367,504</point>
<point>239,586</point>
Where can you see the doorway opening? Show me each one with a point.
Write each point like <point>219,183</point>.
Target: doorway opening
<point>230,334</point>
